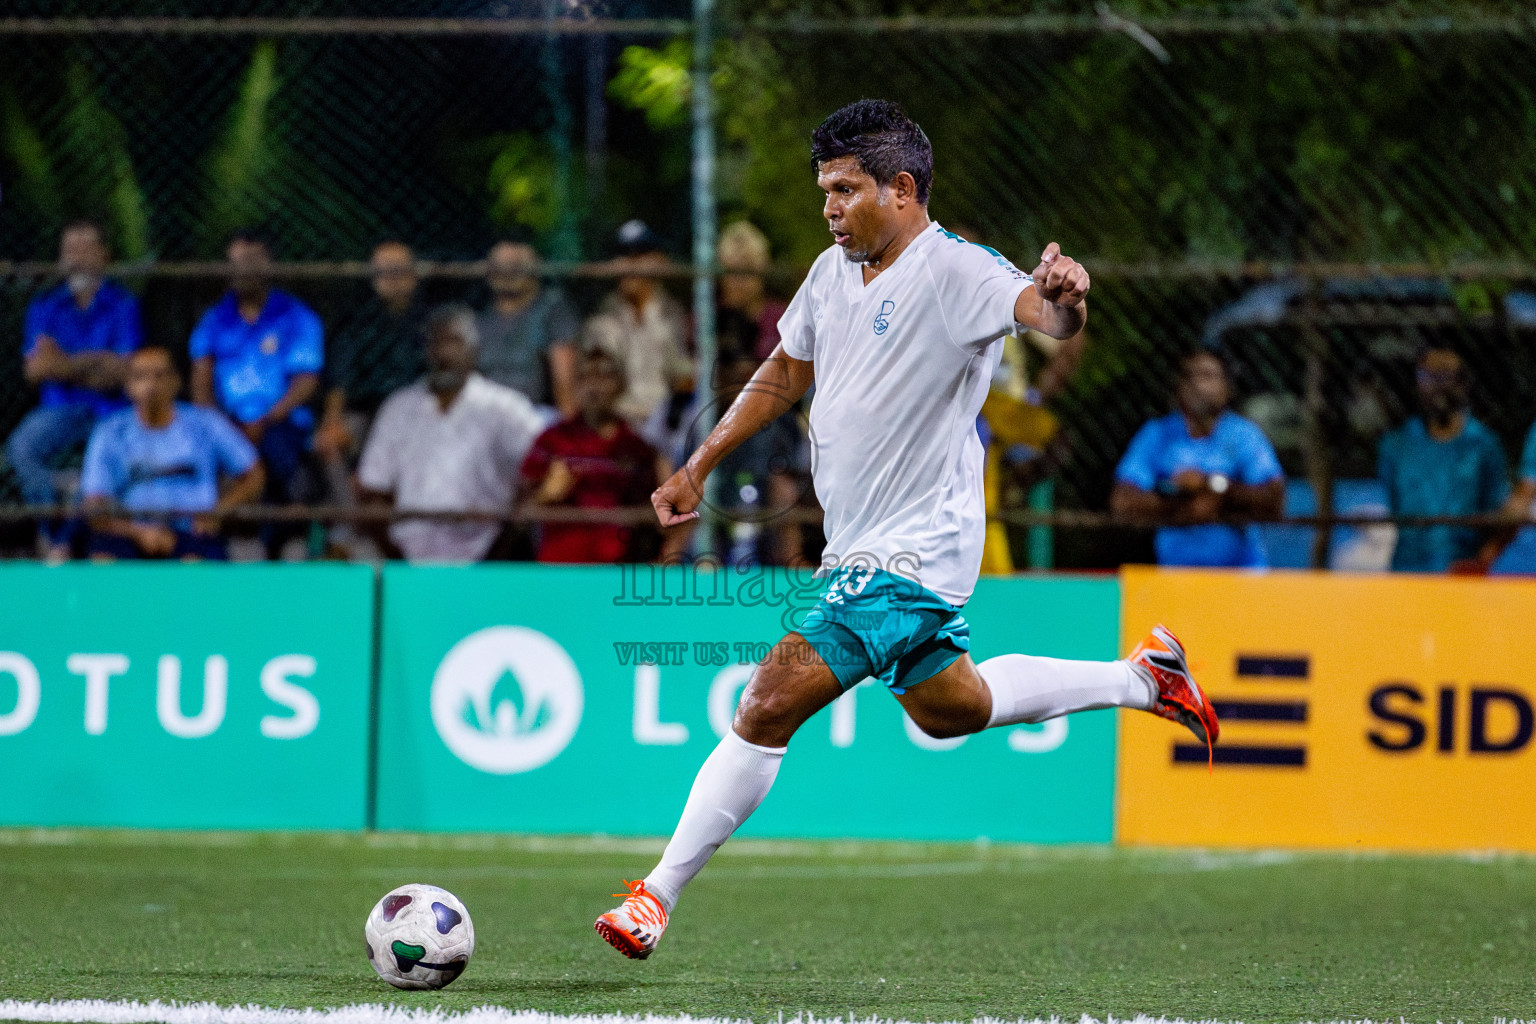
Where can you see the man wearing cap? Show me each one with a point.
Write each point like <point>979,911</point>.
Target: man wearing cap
<point>643,327</point>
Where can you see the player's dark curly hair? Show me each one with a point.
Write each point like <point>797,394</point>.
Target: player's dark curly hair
<point>883,139</point>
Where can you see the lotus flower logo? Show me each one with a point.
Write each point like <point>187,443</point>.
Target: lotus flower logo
<point>506,699</point>
<point>503,712</point>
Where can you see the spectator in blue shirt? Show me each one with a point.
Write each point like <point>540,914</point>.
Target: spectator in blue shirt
<point>164,456</point>
<point>1443,463</point>
<point>75,338</point>
<point>1195,466</point>
<point>257,355</point>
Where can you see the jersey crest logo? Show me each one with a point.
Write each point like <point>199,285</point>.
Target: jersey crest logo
<point>886,309</point>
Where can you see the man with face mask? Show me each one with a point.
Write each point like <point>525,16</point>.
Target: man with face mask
<point>76,337</point>
<point>452,442</point>
<point>1443,463</point>
<point>1196,465</point>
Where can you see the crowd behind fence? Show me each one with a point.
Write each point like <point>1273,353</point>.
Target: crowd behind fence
<point>1315,198</point>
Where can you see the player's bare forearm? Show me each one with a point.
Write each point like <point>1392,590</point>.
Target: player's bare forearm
<point>776,386</point>
<point>1063,322</point>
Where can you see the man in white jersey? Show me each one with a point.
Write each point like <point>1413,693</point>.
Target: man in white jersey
<point>899,326</point>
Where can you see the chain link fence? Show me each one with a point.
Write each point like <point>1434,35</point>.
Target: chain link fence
<point>1314,193</point>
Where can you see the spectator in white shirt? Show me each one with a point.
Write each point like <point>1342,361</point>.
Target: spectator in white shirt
<point>452,442</point>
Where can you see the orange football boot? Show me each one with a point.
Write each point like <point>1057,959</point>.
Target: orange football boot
<point>1179,698</point>
<point>635,926</point>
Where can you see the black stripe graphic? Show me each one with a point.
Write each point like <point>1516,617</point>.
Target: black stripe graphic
<point>1260,710</point>
<point>1267,665</point>
<point>1227,753</point>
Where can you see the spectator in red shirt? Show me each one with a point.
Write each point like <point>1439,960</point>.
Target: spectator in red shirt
<point>593,460</point>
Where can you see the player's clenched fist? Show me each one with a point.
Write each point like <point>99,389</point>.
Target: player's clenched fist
<point>1060,279</point>
<point>676,500</point>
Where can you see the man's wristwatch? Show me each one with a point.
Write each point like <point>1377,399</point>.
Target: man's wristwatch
<point>1217,483</point>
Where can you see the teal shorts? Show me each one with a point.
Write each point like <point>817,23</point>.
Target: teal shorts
<point>874,623</point>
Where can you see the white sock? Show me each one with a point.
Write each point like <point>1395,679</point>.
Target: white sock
<point>1029,689</point>
<point>728,788</point>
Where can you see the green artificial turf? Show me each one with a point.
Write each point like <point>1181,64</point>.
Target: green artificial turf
<point>922,932</point>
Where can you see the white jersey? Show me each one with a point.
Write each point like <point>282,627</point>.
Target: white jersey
<point>902,367</point>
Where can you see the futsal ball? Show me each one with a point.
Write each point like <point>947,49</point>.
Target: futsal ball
<point>419,936</point>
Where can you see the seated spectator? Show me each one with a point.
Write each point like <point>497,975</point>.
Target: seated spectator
<point>528,331</point>
<point>161,456</point>
<point>376,352</point>
<point>748,319</point>
<point>644,328</point>
<point>74,341</point>
<point>257,355</point>
<point>1194,466</point>
<point>453,442</point>
<point>1442,463</point>
<point>758,482</point>
<point>1523,495</point>
<point>592,460</point>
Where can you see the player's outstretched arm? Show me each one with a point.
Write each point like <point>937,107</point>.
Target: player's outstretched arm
<point>1058,303</point>
<point>778,384</point>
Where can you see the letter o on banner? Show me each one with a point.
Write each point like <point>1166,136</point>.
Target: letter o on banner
<point>29,692</point>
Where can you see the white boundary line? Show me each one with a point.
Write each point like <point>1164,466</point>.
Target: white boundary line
<point>102,1011</point>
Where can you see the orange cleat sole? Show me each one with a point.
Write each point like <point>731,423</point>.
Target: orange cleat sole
<point>621,940</point>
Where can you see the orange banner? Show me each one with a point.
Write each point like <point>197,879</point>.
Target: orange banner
<point>1383,712</point>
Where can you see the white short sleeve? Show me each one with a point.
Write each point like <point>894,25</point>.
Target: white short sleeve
<point>797,327</point>
<point>379,468</point>
<point>977,290</point>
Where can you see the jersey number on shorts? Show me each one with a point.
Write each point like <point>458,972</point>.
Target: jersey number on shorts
<point>850,580</point>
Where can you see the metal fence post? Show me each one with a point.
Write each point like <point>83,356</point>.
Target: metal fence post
<point>704,244</point>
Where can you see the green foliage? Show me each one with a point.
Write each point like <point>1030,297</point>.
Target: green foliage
<point>96,140</point>
<point>242,166</point>
<point>259,172</point>
<point>36,180</point>
<point>82,167</point>
<point>656,81</point>
<point>517,176</point>
<point>765,150</point>
<point>522,182</point>
<point>1371,147</point>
